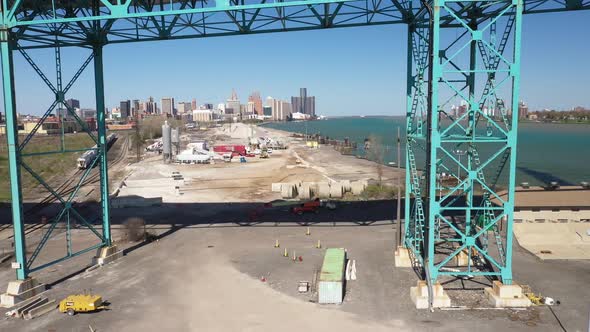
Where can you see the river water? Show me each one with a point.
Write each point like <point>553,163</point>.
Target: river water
<point>546,151</point>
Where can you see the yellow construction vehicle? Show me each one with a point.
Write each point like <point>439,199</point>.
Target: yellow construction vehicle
<point>81,303</point>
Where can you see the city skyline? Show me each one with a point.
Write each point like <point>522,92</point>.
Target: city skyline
<point>366,78</point>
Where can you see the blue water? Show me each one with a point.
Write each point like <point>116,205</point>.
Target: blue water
<point>546,152</point>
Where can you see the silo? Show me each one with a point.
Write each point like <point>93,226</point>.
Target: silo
<point>175,137</point>
<point>166,141</point>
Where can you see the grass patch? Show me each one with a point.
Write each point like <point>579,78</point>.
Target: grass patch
<point>47,166</point>
<point>375,191</point>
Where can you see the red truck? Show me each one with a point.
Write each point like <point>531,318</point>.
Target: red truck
<point>311,206</point>
<point>235,150</point>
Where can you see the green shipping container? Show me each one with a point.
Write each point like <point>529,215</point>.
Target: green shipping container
<point>331,280</point>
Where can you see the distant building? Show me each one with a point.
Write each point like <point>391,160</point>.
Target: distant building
<point>202,116</point>
<point>523,110</point>
<point>73,103</point>
<point>304,104</point>
<point>257,103</point>
<point>280,109</point>
<point>87,113</point>
<point>267,110</point>
<point>299,116</point>
<point>115,113</point>
<point>135,107</point>
<point>125,109</point>
<point>184,107</point>
<point>151,107</point>
<point>168,106</point>
<point>193,104</point>
<point>207,106</point>
<point>250,108</point>
<point>232,105</point>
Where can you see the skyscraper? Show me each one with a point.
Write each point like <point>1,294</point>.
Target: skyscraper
<point>73,103</point>
<point>151,107</point>
<point>194,104</point>
<point>135,107</point>
<point>125,108</point>
<point>232,105</point>
<point>168,106</point>
<point>184,107</point>
<point>304,104</point>
<point>280,109</point>
<point>255,98</point>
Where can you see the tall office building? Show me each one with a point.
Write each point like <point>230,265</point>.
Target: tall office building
<point>135,108</point>
<point>304,104</point>
<point>125,108</point>
<point>184,108</point>
<point>63,111</point>
<point>280,109</point>
<point>73,103</point>
<point>194,104</point>
<point>255,98</point>
<point>232,105</point>
<point>168,106</point>
<point>151,107</point>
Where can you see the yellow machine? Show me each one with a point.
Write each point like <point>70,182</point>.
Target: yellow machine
<point>81,303</point>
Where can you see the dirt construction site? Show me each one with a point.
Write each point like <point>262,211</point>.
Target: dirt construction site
<point>215,257</point>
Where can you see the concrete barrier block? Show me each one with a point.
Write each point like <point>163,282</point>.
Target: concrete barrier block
<point>21,290</point>
<point>276,187</point>
<point>41,310</point>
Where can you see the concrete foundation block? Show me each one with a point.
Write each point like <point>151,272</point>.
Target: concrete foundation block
<point>41,310</point>
<point>107,255</point>
<point>21,290</point>
<point>419,296</point>
<point>506,296</point>
<point>402,257</point>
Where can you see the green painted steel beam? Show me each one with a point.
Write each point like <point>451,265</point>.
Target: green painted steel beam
<point>102,145</point>
<point>13,157</point>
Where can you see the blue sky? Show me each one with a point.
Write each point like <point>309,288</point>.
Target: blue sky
<point>350,71</point>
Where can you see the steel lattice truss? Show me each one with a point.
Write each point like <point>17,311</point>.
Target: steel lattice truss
<point>475,62</point>
<point>474,75</point>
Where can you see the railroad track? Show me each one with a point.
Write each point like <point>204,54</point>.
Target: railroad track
<point>66,188</point>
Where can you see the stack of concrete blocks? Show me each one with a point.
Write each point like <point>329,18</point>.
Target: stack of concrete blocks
<point>336,190</point>
<point>288,190</point>
<point>357,187</point>
<point>506,296</point>
<point>35,308</point>
<point>276,187</point>
<point>21,290</point>
<point>323,190</point>
<point>307,190</point>
<point>419,296</point>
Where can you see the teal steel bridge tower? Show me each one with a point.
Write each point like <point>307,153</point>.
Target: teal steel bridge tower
<point>463,77</point>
